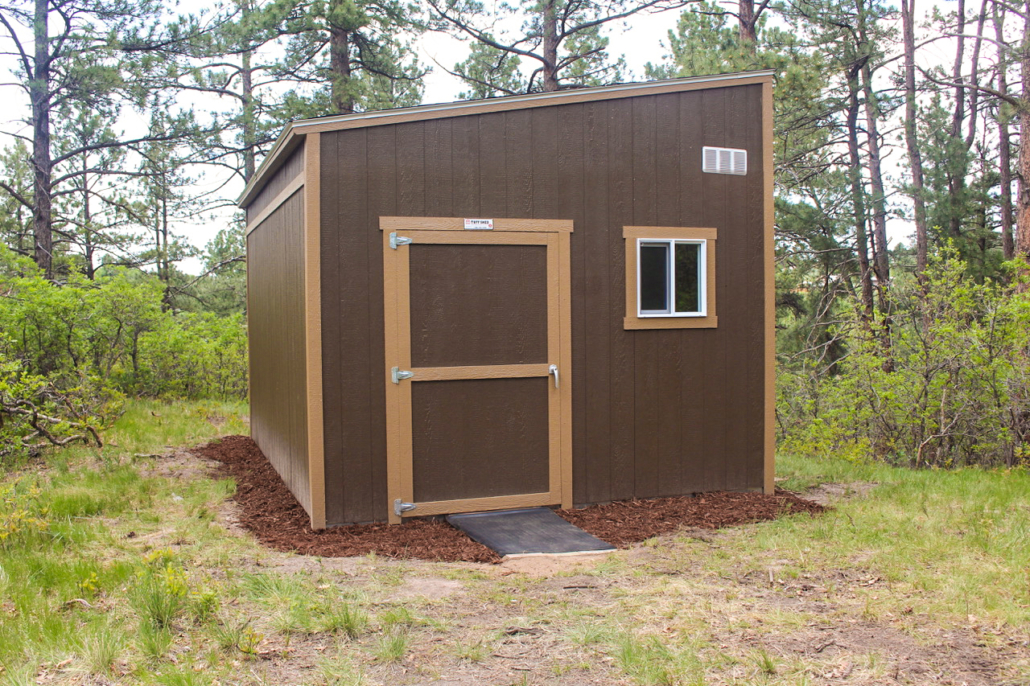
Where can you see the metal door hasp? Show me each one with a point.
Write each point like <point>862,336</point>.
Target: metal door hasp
<point>398,374</point>
<point>396,240</point>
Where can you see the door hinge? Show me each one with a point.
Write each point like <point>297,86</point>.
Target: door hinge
<point>400,507</point>
<point>398,375</point>
<point>396,240</point>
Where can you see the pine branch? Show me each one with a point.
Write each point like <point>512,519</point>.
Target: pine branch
<point>16,195</point>
<point>1012,100</point>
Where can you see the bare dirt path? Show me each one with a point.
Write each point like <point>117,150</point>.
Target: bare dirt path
<point>692,605</point>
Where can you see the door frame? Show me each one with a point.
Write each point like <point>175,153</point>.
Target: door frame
<point>553,233</point>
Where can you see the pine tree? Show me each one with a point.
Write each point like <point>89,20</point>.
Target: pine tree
<point>560,39</point>
<point>348,56</point>
<point>87,51</point>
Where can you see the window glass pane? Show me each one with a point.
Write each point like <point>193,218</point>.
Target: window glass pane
<point>688,277</point>
<point>654,277</point>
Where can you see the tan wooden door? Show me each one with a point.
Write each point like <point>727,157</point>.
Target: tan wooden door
<point>478,382</point>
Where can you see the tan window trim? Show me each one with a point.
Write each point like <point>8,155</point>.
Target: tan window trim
<point>631,234</point>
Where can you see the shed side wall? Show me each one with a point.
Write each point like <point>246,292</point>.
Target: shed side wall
<point>291,169</point>
<point>654,412</point>
<point>278,407</point>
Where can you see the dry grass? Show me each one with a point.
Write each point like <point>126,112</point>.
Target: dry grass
<point>916,580</point>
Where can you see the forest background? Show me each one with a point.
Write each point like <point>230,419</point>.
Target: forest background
<point>136,124</point>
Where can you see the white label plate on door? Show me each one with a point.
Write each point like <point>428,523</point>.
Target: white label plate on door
<point>479,224</point>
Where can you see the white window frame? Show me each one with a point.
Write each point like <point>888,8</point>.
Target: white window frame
<point>670,272</point>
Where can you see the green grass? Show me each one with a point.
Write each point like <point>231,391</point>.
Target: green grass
<point>392,646</point>
<point>961,537</point>
<point>73,587</point>
<point>341,617</point>
<point>115,567</point>
<point>653,662</point>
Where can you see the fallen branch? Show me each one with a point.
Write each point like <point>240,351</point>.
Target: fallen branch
<point>26,409</point>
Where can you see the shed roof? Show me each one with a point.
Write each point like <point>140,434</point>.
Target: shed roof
<point>294,132</point>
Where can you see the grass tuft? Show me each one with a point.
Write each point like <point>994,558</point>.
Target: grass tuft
<point>160,596</point>
<point>340,671</point>
<point>101,648</point>
<point>342,617</point>
<point>392,647</point>
<point>651,662</point>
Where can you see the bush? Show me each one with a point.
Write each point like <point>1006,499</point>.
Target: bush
<point>195,356</point>
<point>114,328</point>
<point>948,385</point>
<point>22,518</point>
<point>36,411</point>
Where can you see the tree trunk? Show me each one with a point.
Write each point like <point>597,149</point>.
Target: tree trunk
<point>550,22</point>
<point>157,247</point>
<point>957,176</point>
<point>912,134</point>
<point>550,50</point>
<point>39,94</point>
<point>857,192</point>
<point>249,114</point>
<point>748,23</point>
<point>339,64</point>
<point>974,76</point>
<point>22,233</point>
<point>163,255</point>
<point>1023,199</point>
<point>881,259</point>
<point>1004,145</point>
<point>164,271</point>
<point>88,248</point>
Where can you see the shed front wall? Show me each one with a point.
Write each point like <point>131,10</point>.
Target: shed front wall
<point>655,412</point>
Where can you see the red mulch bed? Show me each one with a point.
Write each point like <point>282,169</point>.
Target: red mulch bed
<point>269,510</point>
<point>632,521</point>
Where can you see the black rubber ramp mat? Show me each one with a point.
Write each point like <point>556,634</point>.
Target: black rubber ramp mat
<point>535,530</point>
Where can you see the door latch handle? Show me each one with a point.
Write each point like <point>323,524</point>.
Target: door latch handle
<point>553,369</point>
<point>398,375</point>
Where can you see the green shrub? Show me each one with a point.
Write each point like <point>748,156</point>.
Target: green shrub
<point>945,383</point>
<point>161,593</point>
<point>71,351</point>
<point>23,518</point>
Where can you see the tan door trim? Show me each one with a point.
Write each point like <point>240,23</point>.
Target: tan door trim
<point>313,332</point>
<point>458,224</point>
<point>400,478</point>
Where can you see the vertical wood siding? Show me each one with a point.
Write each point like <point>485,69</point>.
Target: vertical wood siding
<point>291,169</point>
<point>278,400</point>
<point>654,412</point>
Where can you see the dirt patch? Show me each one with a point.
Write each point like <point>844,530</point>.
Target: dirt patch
<point>949,657</point>
<point>432,588</point>
<point>548,565</point>
<point>273,515</point>
<point>178,464</point>
<point>826,494</point>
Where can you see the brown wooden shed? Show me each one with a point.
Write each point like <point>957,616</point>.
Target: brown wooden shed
<point>512,302</point>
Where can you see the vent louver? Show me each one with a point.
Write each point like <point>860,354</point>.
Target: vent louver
<point>725,161</point>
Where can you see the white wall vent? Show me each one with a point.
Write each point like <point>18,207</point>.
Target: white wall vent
<point>725,161</point>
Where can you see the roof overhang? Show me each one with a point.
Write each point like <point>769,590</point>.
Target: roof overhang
<point>294,132</point>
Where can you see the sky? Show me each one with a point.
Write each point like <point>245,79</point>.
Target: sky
<point>642,41</point>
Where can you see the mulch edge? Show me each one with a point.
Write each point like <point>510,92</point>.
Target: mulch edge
<point>272,514</point>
